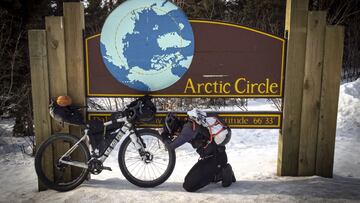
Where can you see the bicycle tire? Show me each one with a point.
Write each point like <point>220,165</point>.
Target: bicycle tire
<point>146,183</point>
<point>76,181</point>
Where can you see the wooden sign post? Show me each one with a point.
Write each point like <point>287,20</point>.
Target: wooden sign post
<point>57,68</point>
<point>334,46</point>
<point>74,25</point>
<point>40,93</point>
<point>311,91</point>
<point>314,61</point>
<point>289,138</point>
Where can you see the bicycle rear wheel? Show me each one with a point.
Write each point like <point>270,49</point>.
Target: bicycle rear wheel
<point>64,177</point>
<point>151,169</point>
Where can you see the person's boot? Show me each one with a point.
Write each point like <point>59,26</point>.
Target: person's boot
<point>227,176</point>
<point>218,177</point>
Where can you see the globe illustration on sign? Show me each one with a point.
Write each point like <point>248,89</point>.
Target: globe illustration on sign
<point>147,45</point>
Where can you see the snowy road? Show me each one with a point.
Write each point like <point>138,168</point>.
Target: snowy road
<point>253,160</point>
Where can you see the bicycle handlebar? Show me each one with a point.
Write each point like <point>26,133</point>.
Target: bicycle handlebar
<point>129,113</point>
<point>133,111</point>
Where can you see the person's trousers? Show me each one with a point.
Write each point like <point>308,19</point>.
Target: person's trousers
<point>204,171</point>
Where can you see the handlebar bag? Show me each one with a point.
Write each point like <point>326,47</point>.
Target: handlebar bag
<point>144,108</point>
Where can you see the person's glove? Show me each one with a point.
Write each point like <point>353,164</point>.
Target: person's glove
<point>166,137</point>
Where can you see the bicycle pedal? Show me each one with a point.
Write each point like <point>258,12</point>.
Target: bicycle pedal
<point>107,168</point>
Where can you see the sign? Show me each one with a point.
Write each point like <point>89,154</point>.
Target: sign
<point>267,120</point>
<point>229,61</point>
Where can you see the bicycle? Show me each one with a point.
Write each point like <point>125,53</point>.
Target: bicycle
<point>144,158</point>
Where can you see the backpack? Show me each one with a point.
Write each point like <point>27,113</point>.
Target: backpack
<point>219,132</point>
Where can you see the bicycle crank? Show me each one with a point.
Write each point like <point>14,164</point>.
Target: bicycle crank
<point>96,167</point>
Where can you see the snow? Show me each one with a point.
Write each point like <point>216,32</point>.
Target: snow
<point>348,111</point>
<point>252,154</point>
<point>347,143</point>
<point>6,126</point>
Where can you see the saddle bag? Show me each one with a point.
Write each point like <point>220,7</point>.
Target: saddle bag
<point>66,114</point>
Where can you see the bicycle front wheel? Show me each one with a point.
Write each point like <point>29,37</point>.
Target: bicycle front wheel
<point>62,177</point>
<point>153,167</point>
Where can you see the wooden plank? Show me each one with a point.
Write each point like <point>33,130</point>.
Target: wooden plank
<point>40,94</point>
<point>73,23</point>
<point>57,70</point>
<point>311,92</point>
<point>334,46</point>
<point>74,26</point>
<point>57,64</point>
<point>296,24</point>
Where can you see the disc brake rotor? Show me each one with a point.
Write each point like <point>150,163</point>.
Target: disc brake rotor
<point>147,157</point>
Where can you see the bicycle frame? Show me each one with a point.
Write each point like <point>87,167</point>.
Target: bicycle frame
<point>125,130</point>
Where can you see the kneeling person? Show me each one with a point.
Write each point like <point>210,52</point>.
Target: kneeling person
<point>212,165</point>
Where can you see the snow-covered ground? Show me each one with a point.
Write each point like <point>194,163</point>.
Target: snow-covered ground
<point>252,153</point>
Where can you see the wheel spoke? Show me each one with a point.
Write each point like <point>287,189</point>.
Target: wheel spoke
<point>144,171</point>
<point>158,167</point>
<point>133,157</point>
<point>159,163</point>
<point>136,174</point>
<point>135,165</point>
<point>132,163</point>
<point>151,145</point>
<point>61,177</point>
<point>155,174</point>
